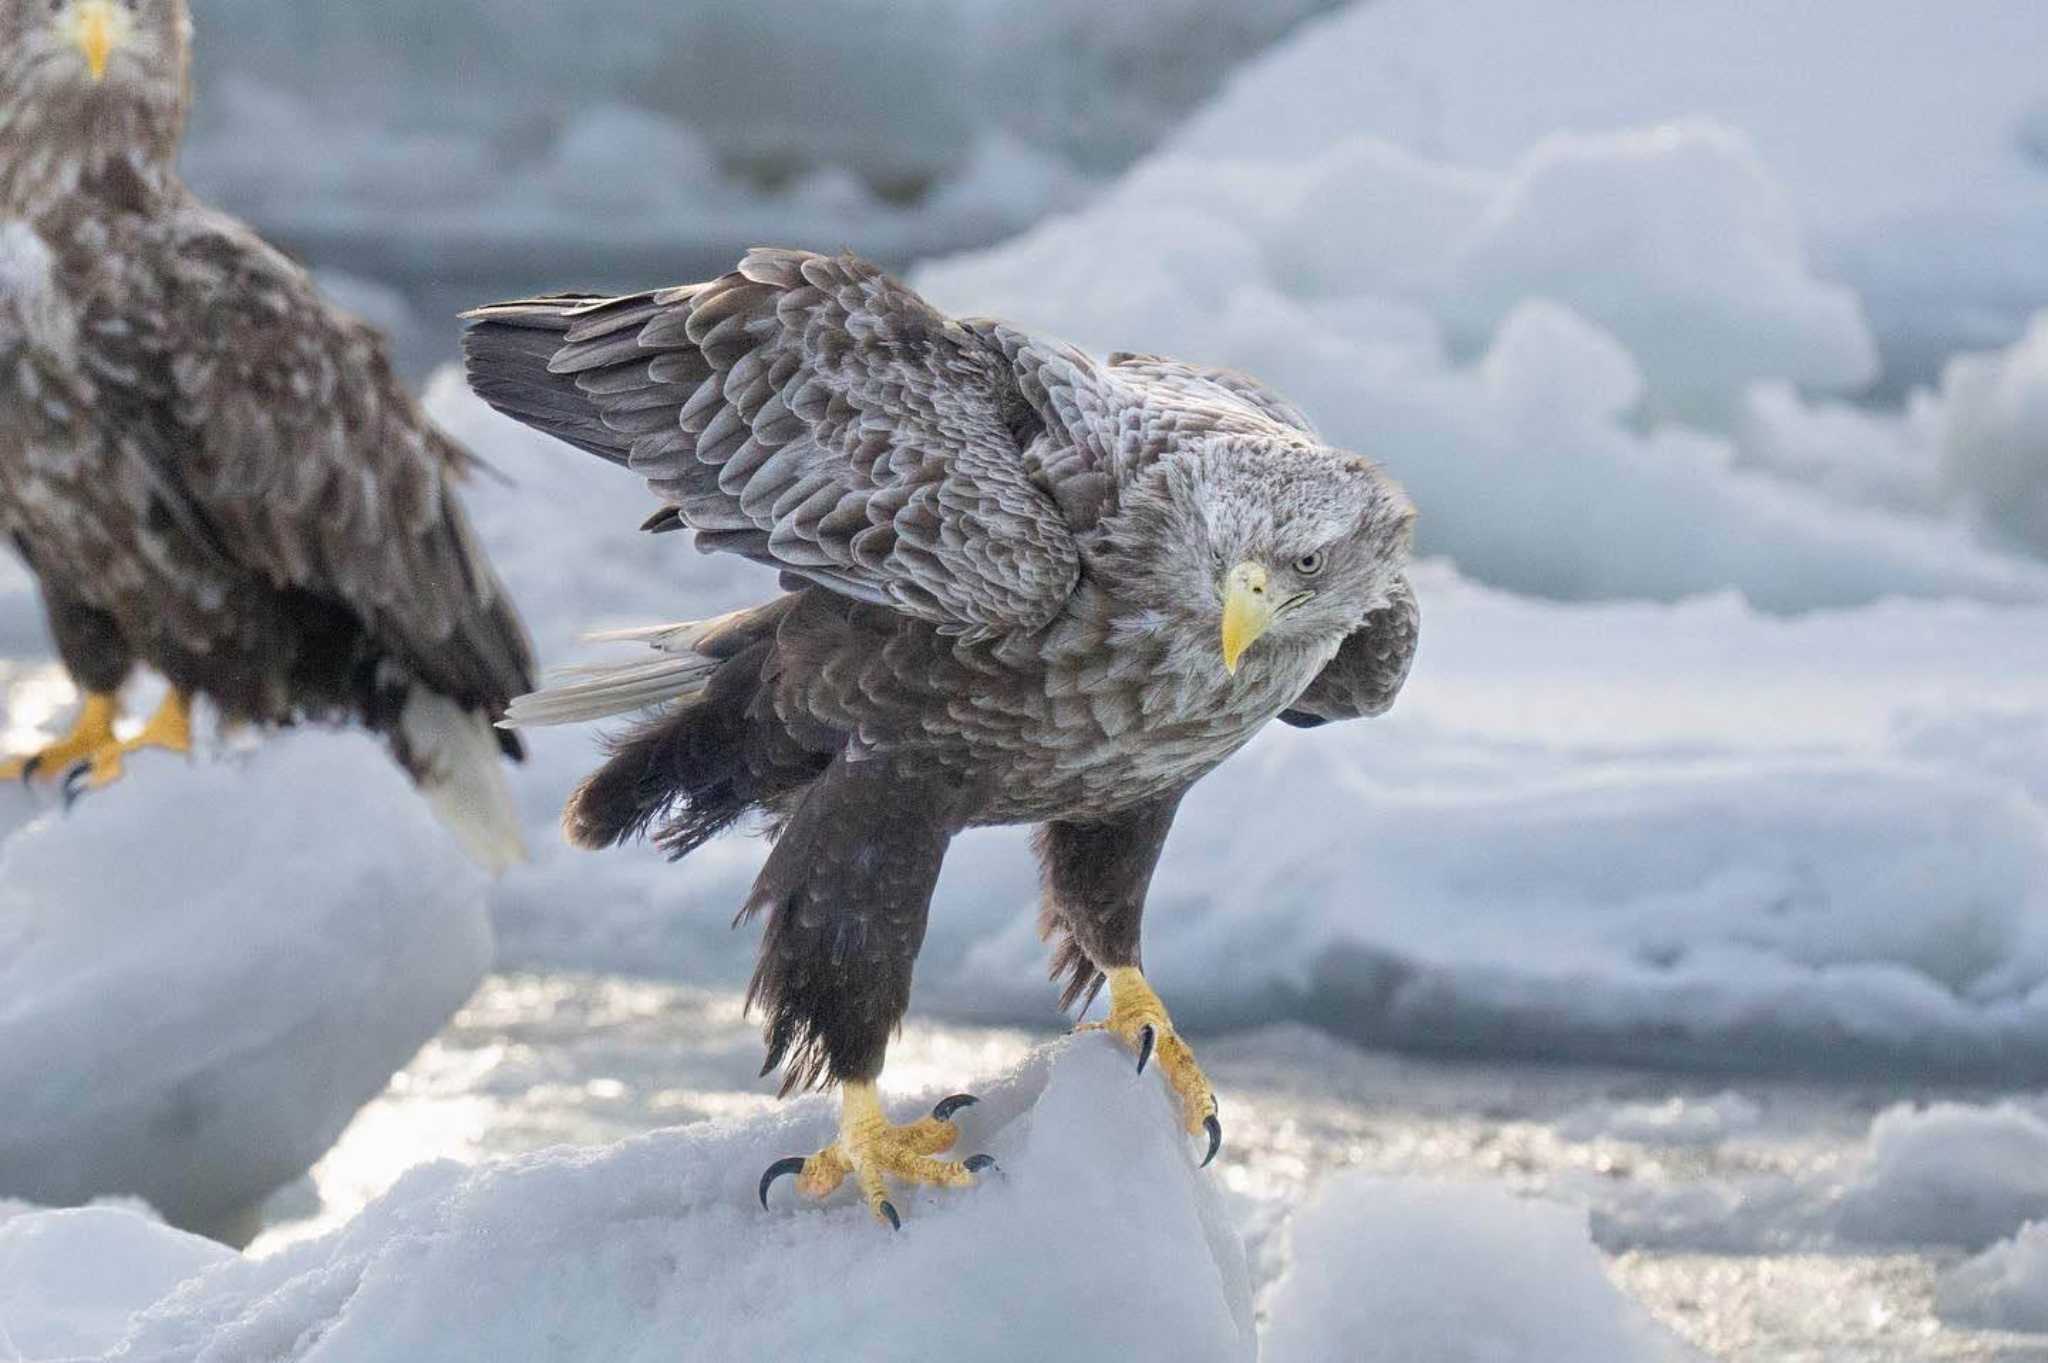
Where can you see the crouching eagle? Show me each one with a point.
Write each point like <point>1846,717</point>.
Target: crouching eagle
<point>1020,587</point>
<point>210,470</point>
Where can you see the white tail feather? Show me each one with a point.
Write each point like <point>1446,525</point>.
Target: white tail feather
<point>460,769</point>
<point>601,692</point>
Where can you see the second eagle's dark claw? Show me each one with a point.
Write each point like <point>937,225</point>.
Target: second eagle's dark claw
<point>74,783</point>
<point>793,1165</point>
<point>974,1164</point>
<point>1145,1041</point>
<point>888,1211</point>
<point>958,1102</point>
<point>1215,1130</point>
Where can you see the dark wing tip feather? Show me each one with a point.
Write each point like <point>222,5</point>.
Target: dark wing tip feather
<point>508,356</point>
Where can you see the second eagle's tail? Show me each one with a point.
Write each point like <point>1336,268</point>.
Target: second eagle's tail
<point>454,757</point>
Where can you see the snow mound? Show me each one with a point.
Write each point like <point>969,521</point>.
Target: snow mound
<point>1679,243</point>
<point>1949,1174</point>
<point>206,970</point>
<point>1507,345</point>
<point>70,1280</point>
<point>1101,1233</point>
<point>1396,1270</point>
<point>2004,1288</point>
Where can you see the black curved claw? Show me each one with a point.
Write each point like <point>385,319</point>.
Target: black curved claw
<point>74,783</point>
<point>974,1164</point>
<point>30,767</point>
<point>888,1211</point>
<point>793,1165</point>
<point>959,1101</point>
<point>1145,1041</point>
<point>1215,1130</point>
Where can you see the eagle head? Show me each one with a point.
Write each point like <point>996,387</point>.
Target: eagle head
<point>91,83</point>
<point>1272,547</point>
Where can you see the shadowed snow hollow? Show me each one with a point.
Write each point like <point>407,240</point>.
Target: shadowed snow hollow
<point>206,970</point>
<point>1102,1241</point>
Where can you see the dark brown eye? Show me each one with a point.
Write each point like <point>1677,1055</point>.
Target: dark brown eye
<point>1309,565</point>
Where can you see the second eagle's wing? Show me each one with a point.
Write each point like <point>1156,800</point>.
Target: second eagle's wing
<point>813,414</point>
<point>275,436</point>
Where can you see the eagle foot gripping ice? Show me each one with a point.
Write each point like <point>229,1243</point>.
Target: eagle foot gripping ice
<point>1137,1015</point>
<point>871,1149</point>
<point>91,757</point>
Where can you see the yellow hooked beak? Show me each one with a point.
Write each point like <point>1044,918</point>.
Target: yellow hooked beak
<point>93,30</point>
<point>1247,612</point>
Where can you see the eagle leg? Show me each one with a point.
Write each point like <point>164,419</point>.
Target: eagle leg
<point>1139,1018</point>
<point>91,731</point>
<point>170,728</point>
<point>870,1149</point>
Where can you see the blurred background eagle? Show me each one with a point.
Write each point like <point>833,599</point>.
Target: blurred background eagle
<point>211,470</point>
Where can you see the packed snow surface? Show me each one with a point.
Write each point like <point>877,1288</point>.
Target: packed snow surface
<point>656,1248</point>
<point>207,969</point>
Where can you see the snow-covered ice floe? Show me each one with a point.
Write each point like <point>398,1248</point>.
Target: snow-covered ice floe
<point>207,969</point>
<point>1100,1240</point>
<point>1403,1270</point>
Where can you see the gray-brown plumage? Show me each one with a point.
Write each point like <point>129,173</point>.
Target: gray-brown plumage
<point>213,471</point>
<point>1021,587</point>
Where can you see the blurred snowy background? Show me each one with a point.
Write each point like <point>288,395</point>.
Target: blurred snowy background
<point>1698,884</point>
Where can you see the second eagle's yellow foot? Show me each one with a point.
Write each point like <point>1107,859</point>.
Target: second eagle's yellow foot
<point>1137,1015</point>
<point>871,1149</point>
<point>91,732</point>
<point>170,729</point>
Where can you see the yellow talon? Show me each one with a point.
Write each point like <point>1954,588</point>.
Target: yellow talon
<point>92,756</point>
<point>91,732</point>
<point>1137,1015</point>
<point>170,729</point>
<point>870,1147</point>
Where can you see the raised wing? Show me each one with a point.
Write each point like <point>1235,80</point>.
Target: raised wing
<point>1369,671</point>
<point>276,435</point>
<point>813,414</point>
